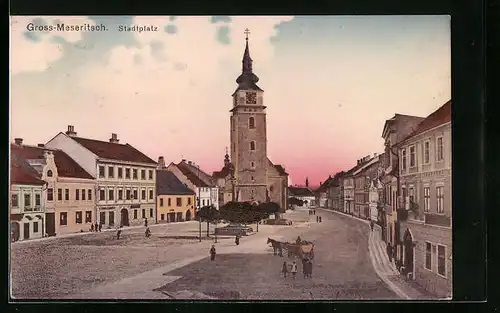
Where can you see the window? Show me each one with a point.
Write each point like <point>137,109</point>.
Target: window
<point>169,202</point>
<point>151,194</point>
<point>135,194</point>
<point>252,178</point>
<point>128,194</point>
<point>162,217</point>
<point>102,218</point>
<point>440,199</point>
<point>412,194</point>
<point>251,122</point>
<point>102,195</point>
<point>427,151</point>
<point>83,194</point>
<point>412,156</point>
<point>134,173</point>
<point>441,260</point>
<point>403,159</point>
<point>77,194</point>
<point>111,194</point>
<point>151,213</point>
<point>161,202</point>
<point>88,216</point>
<point>78,217</point>
<point>59,194</point>
<point>63,218</point>
<point>38,199</point>
<point>89,194</point>
<point>66,194</point>
<point>143,174</point>
<point>120,194</point>
<point>143,213</point>
<point>135,214</point>
<point>111,172</point>
<point>50,194</point>
<point>127,173</point>
<point>111,218</point>
<point>189,201</point>
<point>143,194</point>
<point>151,174</point>
<point>101,171</point>
<point>427,199</point>
<point>27,199</point>
<point>252,145</point>
<point>252,164</point>
<point>15,200</point>
<point>49,173</point>
<point>440,149</point>
<point>35,227</point>
<point>428,255</point>
<point>178,201</point>
<point>203,202</point>
<point>120,172</point>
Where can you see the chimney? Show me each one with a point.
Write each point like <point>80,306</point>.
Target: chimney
<point>71,131</point>
<point>40,145</point>
<point>48,155</point>
<point>183,160</point>
<point>18,141</point>
<point>190,163</point>
<point>114,138</point>
<point>161,162</point>
<point>359,161</point>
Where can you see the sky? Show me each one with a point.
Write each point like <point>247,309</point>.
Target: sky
<point>329,83</point>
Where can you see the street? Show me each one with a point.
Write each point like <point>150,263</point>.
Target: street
<point>93,265</point>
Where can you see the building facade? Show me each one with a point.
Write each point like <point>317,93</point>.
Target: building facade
<point>426,203</point>
<point>250,176</point>
<point>70,190</point>
<point>27,205</point>
<point>125,177</point>
<point>175,202</point>
<point>303,193</point>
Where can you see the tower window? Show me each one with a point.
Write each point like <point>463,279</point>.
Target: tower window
<point>252,164</point>
<point>252,145</point>
<point>251,122</point>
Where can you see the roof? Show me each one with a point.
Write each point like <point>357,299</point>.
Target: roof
<point>281,170</point>
<point>66,166</point>
<point>168,184</point>
<point>22,173</point>
<point>439,117</point>
<point>300,192</point>
<point>367,164</point>
<point>324,186</point>
<point>223,173</point>
<point>114,151</point>
<point>195,175</point>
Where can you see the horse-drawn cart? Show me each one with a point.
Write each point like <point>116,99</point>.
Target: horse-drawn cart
<point>304,249</point>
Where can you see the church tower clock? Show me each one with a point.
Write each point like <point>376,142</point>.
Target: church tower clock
<point>248,135</point>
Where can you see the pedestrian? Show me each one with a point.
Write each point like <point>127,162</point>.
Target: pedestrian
<point>389,251</point>
<point>118,233</point>
<point>299,240</point>
<point>237,240</point>
<point>309,268</point>
<point>100,227</point>
<point>284,269</point>
<point>146,222</point>
<point>319,219</point>
<point>371,224</point>
<point>294,269</point>
<point>212,253</point>
<point>304,267</point>
<point>314,211</point>
<point>91,227</point>
<point>148,232</point>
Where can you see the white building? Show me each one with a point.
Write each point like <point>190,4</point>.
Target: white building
<point>126,177</point>
<point>303,193</point>
<point>27,209</point>
<point>207,191</point>
<point>373,198</point>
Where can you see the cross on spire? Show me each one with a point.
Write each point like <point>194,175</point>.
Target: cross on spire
<point>247,32</point>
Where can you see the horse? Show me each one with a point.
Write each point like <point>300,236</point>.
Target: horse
<point>277,246</point>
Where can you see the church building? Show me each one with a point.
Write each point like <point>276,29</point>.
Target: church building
<point>248,175</point>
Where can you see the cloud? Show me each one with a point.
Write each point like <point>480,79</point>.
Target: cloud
<point>34,50</point>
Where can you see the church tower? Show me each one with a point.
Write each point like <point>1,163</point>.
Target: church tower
<point>248,135</point>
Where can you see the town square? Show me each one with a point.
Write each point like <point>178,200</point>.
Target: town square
<point>231,158</point>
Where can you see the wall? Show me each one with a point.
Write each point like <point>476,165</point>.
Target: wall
<point>31,214</point>
<point>188,202</point>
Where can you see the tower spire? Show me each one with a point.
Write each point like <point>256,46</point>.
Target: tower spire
<point>247,60</point>
<point>247,80</point>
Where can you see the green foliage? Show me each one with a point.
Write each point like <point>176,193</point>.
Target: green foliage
<point>247,213</point>
<point>208,214</point>
<point>296,201</point>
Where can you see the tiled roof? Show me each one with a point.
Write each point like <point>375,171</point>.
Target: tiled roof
<point>439,117</point>
<point>300,192</point>
<point>114,151</point>
<point>324,186</point>
<point>281,170</point>
<point>226,170</point>
<point>66,166</point>
<point>168,184</point>
<point>22,173</point>
<point>194,177</point>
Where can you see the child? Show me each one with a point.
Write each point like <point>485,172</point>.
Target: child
<point>294,269</point>
<point>284,269</point>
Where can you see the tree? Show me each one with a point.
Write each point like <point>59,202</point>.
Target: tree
<point>239,212</point>
<point>208,214</point>
<point>270,208</point>
<point>296,201</point>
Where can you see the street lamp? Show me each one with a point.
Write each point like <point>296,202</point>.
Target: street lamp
<point>198,203</point>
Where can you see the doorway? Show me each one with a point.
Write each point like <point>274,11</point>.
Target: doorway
<point>14,226</point>
<point>170,217</point>
<point>179,216</point>
<point>408,252</point>
<point>50,223</point>
<point>188,215</point>
<point>26,231</point>
<point>124,218</point>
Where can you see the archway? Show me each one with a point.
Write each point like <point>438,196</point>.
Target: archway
<point>188,215</point>
<point>408,246</point>
<point>124,218</point>
<point>15,231</point>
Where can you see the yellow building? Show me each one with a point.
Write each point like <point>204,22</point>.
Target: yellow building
<point>174,200</point>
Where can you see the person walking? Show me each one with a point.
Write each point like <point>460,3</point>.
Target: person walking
<point>237,240</point>
<point>294,269</point>
<point>118,233</point>
<point>389,251</point>
<point>146,222</point>
<point>100,227</point>
<point>91,227</point>
<point>304,267</point>
<point>284,269</point>
<point>148,232</point>
<point>320,219</point>
<point>212,253</point>
<point>372,224</point>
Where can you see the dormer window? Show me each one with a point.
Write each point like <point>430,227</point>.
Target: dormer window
<point>49,173</point>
